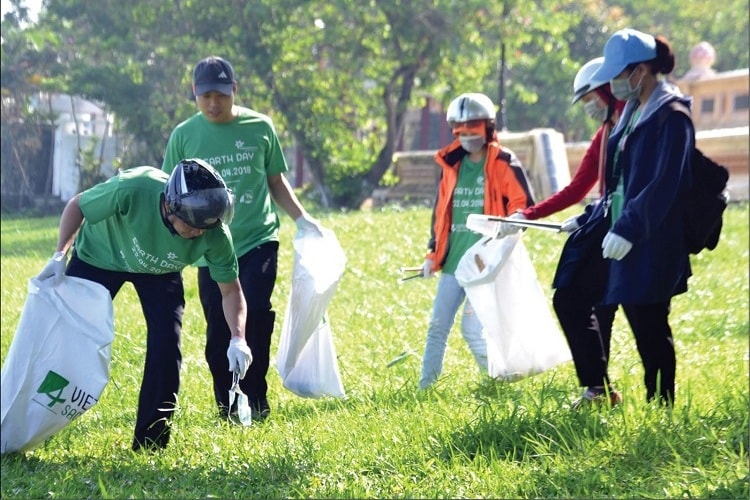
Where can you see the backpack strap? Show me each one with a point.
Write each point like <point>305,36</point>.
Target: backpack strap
<point>674,105</point>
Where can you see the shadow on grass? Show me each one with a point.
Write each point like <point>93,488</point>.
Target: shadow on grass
<point>150,475</point>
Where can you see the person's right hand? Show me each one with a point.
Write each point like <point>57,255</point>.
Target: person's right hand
<point>54,269</point>
<point>306,223</point>
<point>427,269</point>
<point>239,356</point>
<point>570,224</point>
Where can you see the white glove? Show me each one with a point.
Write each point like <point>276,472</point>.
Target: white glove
<point>239,356</point>
<point>427,269</point>
<point>570,225</point>
<point>55,268</point>
<point>505,229</point>
<point>306,223</point>
<point>615,246</point>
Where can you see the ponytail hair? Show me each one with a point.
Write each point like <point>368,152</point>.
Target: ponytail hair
<point>664,61</point>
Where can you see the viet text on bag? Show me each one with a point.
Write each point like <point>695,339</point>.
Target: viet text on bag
<point>58,362</point>
<point>707,198</point>
<point>523,338</point>
<point>306,357</point>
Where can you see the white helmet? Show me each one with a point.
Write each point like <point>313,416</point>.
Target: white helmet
<point>583,83</point>
<point>470,106</point>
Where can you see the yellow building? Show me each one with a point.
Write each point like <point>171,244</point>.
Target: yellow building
<point>721,114</point>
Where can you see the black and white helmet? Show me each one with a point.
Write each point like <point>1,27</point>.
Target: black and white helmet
<point>197,194</point>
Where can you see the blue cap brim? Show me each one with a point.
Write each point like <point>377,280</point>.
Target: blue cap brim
<point>609,71</point>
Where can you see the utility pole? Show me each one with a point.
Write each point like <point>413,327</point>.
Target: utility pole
<point>500,119</point>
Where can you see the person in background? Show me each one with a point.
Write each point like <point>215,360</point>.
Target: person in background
<point>587,326</point>
<point>647,176</point>
<point>243,146</point>
<point>143,226</point>
<point>478,176</point>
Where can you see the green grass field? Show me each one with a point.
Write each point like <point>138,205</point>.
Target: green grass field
<point>468,437</point>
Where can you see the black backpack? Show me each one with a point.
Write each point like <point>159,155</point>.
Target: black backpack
<point>706,199</point>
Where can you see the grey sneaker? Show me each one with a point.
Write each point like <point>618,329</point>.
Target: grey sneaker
<point>597,396</point>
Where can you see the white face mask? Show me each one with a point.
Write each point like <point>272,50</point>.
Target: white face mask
<point>594,111</point>
<point>623,91</point>
<point>472,143</point>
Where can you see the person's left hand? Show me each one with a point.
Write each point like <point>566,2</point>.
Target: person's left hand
<point>506,229</point>
<point>239,356</point>
<point>615,246</point>
<point>55,268</point>
<point>306,223</point>
<point>570,224</point>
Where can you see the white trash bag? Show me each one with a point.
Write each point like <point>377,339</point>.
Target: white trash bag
<point>306,358</point>
<point>523,338</point>
<point>58,362</point>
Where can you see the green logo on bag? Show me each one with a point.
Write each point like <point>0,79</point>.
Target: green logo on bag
<point>53,386</point>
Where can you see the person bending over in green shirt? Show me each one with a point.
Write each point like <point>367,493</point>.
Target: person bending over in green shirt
<point>144,226</point>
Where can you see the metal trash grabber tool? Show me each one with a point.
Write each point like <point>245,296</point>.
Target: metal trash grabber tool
<point>410,269</point>
<point>488,225</point>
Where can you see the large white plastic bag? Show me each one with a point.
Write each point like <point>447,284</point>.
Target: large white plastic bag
<point>306,358</point>
<point>523,338</point>
<point>58,362</point>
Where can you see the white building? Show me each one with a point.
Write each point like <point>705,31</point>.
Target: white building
<point>79,123</point>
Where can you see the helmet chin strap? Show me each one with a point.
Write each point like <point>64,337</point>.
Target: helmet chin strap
<point>165,216</point>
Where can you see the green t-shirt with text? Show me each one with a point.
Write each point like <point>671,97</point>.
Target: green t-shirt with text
<point>468,198</point>
<point>123,230</point>
<point>245,152</point>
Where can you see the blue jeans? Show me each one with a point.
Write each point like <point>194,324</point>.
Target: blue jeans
<point>450,295</point>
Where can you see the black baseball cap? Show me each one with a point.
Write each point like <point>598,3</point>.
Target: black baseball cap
<point>213,73</point>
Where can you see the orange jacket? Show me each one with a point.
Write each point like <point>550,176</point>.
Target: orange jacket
<point>506,190</point>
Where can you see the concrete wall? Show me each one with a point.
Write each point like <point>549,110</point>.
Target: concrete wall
<point>419,174</point>
<point>540,151</point>
<point>720,100</point>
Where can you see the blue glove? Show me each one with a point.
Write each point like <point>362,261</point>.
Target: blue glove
<point>615,246</point>
<point>239,356</point>
<point>54,269</point>
<point>306,223</point>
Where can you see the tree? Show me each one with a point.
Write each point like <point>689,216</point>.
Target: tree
<point>26,125</point>
<point>338,76</point>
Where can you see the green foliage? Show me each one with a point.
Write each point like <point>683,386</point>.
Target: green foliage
<point>339,76</point>
<point>468,437</point>
<point>89,166</point>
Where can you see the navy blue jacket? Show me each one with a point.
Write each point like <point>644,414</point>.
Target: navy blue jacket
<point>656,173</point>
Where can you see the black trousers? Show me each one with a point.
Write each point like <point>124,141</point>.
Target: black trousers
<point>653,337</point>
<point>588,329</point>
<point>258,269</point>
<point>162,300</point>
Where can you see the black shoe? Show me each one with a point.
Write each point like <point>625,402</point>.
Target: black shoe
<point>223,413</point>
<point>148,445</point>
<point>260,411</point>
